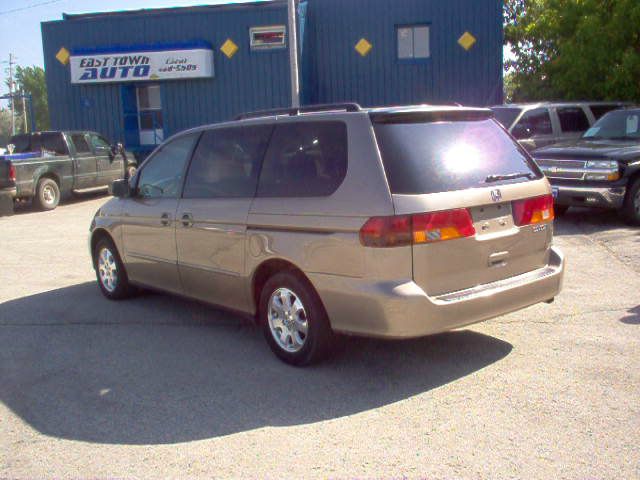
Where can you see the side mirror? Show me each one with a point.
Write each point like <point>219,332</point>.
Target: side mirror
<point>120,188</point>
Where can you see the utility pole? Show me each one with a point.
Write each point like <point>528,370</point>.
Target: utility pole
<point>24,111</point>
<point>13,119</point>
<point>293,54</point>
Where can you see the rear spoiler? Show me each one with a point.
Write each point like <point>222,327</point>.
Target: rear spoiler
<point>426,116</point>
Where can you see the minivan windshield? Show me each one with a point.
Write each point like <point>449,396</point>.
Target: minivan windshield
<point>506,115</point>
<point>446,155</point>
<point>617,125</point>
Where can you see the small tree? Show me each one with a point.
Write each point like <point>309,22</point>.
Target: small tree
<point>31,80</point>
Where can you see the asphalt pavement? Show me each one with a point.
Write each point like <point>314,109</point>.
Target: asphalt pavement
<point>159,386</point>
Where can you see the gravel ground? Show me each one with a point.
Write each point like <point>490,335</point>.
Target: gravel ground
<point>164,387</point>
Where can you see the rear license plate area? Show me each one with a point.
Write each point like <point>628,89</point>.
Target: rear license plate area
<point>491,219</point>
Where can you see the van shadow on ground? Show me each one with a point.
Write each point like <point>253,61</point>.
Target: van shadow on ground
<point>161,370</point>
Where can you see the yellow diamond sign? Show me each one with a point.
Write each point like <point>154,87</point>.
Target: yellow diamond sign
<point>63,56</point>
<point>229,48</point>
<point>467,40</point>
<point>363,47</point>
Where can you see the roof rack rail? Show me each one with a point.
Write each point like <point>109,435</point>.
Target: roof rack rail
<point>324,107</point>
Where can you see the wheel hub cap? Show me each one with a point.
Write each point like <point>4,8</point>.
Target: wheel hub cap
<point>287,320</point>
<point>48,194</point>
<point>107,270</point>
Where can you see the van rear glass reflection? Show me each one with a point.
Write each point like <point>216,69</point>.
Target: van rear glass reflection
<point>447,155</point>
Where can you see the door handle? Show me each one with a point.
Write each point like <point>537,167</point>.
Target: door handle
<point>498,259</point>
<point>165,219</point>
<point>187,220</point>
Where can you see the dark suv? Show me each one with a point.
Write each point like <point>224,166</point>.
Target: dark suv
<point>601,168</point>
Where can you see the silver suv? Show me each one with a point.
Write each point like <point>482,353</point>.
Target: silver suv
<point>394,222</point>
<point>537,125</point>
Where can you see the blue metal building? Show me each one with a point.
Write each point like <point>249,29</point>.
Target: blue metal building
<point>140,76</point>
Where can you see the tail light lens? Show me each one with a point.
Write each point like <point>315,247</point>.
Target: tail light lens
<point>12,173</point>
<point>533,210</point>
<point>401,230</point>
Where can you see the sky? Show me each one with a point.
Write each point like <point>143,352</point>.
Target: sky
<point>20,23</point>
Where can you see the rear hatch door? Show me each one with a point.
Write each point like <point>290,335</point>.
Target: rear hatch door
<point>463,160</point>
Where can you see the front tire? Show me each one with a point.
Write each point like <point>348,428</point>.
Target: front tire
<point>110,273</point>
<point>631,207</point>
<point>294,321</point>
<point>47,194</point>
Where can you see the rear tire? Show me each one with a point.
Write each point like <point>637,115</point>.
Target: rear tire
<point>110,272</point>
<point>47,194</point>
<point>294,321</point>
<point>631,207</point>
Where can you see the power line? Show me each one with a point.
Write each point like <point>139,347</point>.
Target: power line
<point>34,5</point>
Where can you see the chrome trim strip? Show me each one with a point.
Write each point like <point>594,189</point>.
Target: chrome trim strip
<point>489,289</point>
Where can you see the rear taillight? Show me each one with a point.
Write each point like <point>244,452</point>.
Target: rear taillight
<point>533,210</point>
<point>420,228</point>
<point>12,173</point>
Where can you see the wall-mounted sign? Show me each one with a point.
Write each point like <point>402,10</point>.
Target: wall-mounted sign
<point>141,65</point>
<point>263,38</point>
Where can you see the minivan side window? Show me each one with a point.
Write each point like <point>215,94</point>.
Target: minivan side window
<point>533,123</point>
<point>161,175</point>
<point>599,110</point>
<point>305,159</point>
<point>226,163</point>
<point>572,119</point>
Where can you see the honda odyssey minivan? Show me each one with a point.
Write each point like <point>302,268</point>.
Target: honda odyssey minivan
<point>391,222</point>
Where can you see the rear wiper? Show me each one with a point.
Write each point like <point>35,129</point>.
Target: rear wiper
<point>508,176</point>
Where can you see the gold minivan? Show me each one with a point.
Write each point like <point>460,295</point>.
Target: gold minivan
<point>391,222</point>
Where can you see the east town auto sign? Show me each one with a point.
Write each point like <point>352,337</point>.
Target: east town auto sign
<point>141,65</point>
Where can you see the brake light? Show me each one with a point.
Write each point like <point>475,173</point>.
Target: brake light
<point>12,173</point>
<point>533,210</point>
<point>386,231</point>
<point>401,230</point>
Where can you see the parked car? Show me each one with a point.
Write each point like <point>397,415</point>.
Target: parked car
<point>45,166</point>
<point>601,168</point>
<point>392,222</point>
<point>537,125</point>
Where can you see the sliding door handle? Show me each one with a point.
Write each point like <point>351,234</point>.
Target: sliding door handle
<point>187,220</point>
<point>165,219</point>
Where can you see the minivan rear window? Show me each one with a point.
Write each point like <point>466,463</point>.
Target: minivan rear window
<point>448,155</point>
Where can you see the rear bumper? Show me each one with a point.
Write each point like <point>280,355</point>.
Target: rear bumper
<point>10,192</point>
<point>404,310</point>
<point>604,197</point>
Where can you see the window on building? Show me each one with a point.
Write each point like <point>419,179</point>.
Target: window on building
<point>80,142</point>
<point>263,38</point>
<point>533,123</point>
<point>573,119</point>
<point>305,160</point>
<point>226,163</point>
<point>413,42</point>
<point>150,121</point>
<point>161,176</point>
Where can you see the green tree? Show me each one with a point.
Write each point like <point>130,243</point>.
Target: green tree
<point>31,80</point>
<point>573,49</point>
<point>5,127</point>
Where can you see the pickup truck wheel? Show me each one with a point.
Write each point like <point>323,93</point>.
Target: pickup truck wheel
<point>631,207</point>
<point>294,321</point>
<point>47,194</point>
<point>110,273</point>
